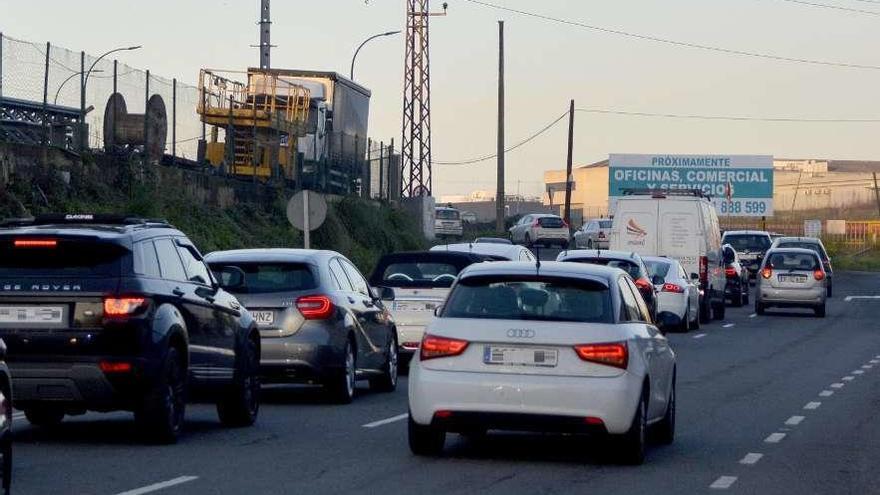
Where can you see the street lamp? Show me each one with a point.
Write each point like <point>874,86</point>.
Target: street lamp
<point>371,38</point>
<point>82,91</point>
<point>89,72</point>
<point>68,79</point>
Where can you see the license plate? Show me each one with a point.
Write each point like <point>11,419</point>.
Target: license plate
<point>264,317</point>
<point>413,306</point>
<point>794,279</point>
<point>519,356</point>
<point>44,315</point>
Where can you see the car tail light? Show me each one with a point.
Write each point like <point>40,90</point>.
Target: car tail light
<point>436,347</point>
<point>704,270</point>
<point>644,284</point>
<point>123,306</point>
<point>730,272</point>
<point>315,307</point>
<point>114,367</point>
<point>36,243</point>
<point>593,421</point>
<point>442,414</point>
<point>564,224</point>
<point>818,274</point>
<point>667,287</point>
<point>766,272</point>
<point>614,354</point>
<point>536,224</point>
<point>601,235</point>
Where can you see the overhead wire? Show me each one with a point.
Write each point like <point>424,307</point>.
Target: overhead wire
<point>833,7</point>
<point>685,44</point>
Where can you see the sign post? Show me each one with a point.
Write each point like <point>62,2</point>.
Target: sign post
<point>306,211</point>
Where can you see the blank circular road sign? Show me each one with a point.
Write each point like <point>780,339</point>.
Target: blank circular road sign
<point>296,209</point>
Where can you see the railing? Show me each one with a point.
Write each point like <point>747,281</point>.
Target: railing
<point>264,98</point>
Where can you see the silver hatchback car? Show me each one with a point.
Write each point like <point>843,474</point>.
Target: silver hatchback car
<point>792,278</point>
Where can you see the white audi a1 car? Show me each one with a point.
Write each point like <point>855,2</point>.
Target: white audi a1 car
<point>549,347</point>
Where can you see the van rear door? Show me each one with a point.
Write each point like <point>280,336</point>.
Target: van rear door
<point>635,226</point>
<point>681,234</point>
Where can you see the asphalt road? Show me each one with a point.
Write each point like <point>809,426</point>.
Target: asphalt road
<point>783,403</point>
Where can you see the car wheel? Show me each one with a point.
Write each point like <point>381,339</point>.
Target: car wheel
<point>631,445</point>
<point>719,311</point>
<point>241,403</point>
<point>341,387</point>
<point>6,452</point>
<point>820,311</point>
<point>746,293</point>
<point>685,323</point>
<point>425,440</point>
<point>705,311</point>
<point>528,240</point>
<point>44,416</point>
<point>737,300</point>
<point>665,429</point>
<point>759,308</point>
<point>162,411</point>
<point>695,325</point>
<point>388,381</point>
<point>828,290</point>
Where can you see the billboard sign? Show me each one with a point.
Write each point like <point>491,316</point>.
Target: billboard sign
<point>739,185</point>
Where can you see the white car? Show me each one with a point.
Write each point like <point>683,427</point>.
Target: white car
<point>678,295</point>
<point>544,229</point>
<point>594,234</point>
<point>495,252</point>
<point>555,347</point>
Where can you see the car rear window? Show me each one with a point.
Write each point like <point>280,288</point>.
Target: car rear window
<point>447,215</point>
<point>62,258</point>
<point>530,298</point>
<point>630,267</point>
<point>658,268</point>
<point>264,278</point>
<point>812,246</point>
<point>605,224</point>
<point>793,261</point>
<point>551,222</point>
<point>414,274</point>
<point>748,242</point>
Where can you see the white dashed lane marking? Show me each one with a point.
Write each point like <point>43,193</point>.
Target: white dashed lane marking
<point>794,420</point>
<point>812,405</point>
<point>386,421</point>
<point>728,325</point>
<point>826,393</point>
<point>751,458</point>
<point>836,385</point>
<point>858,372</point>
<point>848,378</point>
<point>699,335</point>
<point>774,438</point>
<point>723,483</point>
<point>160,486</point>
<point>753,315</point>
<point>854,298</point>
<point>867,366</point>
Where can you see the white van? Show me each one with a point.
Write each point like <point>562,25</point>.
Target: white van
<point>681,225</point>
<point>447,222</point>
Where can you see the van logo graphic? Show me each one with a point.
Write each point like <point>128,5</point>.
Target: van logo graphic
<point>634,229</point>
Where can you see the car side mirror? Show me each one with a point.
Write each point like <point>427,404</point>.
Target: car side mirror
<point>382,293</point>
<point>695,277</point>
<point>230,277</point>
<point>438,310</point>
<point>658,280</point>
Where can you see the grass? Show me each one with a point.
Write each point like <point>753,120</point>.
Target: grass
<point>866,262</point>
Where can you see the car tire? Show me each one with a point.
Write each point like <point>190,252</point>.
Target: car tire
<point>695,325</point>
<point>705,311</point>
<point>737,300</point>
<point>820,311</point>
<point>828,290</point>
<point>44,416</point>
<point>240,404</point>
<point>425,440</point>
<point>6,461</point>
<point>387,382</point>
<point>341,387</point>
<point>719,311</point>
<point>664,431</point>
<point>759,308</point>
<point>746,294</point>
<point>163,409</point>
<point>631,445</point>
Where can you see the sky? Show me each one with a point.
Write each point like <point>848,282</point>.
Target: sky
<point>547,64</point>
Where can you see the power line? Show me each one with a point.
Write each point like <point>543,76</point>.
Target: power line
<point>733,118</point>
<point>834,7</point>
<point>685,44</point>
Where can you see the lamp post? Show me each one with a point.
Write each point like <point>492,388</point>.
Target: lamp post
<point>68,79</point>
<point>371,38</point>
<point>92,67</point>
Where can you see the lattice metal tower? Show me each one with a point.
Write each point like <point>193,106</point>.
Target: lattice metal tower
<point>416,149</point>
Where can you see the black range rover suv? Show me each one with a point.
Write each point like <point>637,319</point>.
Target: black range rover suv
<point>111,313</point>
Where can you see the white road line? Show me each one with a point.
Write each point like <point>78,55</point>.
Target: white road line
<point>723,483</point>
<point>728,325</point>
<point>812,405</point>
<point>699,335</point>
<point>794,420</point>
<point>837,385</point>
<point>853,298</point>
<point>826,393</point>
<point>386,421</point>
<point>858,372</point>
<point>774,438</point>
<point>751,458</point>
<point>867,366</point>
<point>160,486</point>
<point>753,315</point>
<point>848,378</point>
<point>874,361</point>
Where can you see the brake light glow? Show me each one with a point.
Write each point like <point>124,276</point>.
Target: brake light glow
<point>704,270</point>
<point>767,272</point>
<point>443,414</point>
<point>644,284</point>
<point>818,274</point>
<point>593,421</point>
<point>730,272</point>
<point>36,243</point>
<point>436,347</point>
<point>122,306</point>
<point>114,367</point>
<point>667,287</point>
<point>315,307</point>
<point>614,354</point>
<point>536,224</point>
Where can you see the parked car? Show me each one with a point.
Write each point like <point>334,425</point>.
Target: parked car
<point>569,349</point>
<point>631,263</point>
<point>540,228</point>
<point>737,288</point>
<point>678,224</point>
<point>593,234</point>
<point>492,251</point>
<point>812,244</point>
<point>492,240</point>
<point>104,313</point>
<point>750,245</point>
<point>320,321</point>
<point>792,278</point>
<point>678,295</point>
<point>421,281</point>
<point>6,425</point>
<point>447,222</point>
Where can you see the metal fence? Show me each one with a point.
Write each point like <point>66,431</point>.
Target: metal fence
<point>849,233</point>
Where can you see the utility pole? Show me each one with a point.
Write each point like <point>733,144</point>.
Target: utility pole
<point>877,193</point>
<point>499,194</point>
<point>265,30</point>
<point>568,165</point>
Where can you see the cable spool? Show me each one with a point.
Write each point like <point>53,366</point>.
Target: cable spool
<point>128,130</point>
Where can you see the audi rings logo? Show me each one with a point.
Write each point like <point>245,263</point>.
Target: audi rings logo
<point>521,333</point>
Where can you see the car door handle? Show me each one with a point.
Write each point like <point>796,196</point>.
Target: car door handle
<point>178,292</point>
<point>350,299</point>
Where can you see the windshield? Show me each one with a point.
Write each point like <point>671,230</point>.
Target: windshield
<point>605,224</point>
<point>747,242</point>
<point>63,259</point>
<point>630,267</point>
<point>812,246</point>
<point>657,268</point>
<point>551,222</point>
<point>447,214</point>
<point>265,278</point>
<point>415,274</point>
<point>517,298</point>
<point>793,261</point>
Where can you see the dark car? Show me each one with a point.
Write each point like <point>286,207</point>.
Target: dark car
<point>631,263</point>
<point>751,246</point>
<point>109,313</point>
<point>6,425</point>
<point>737,287</point>
<point>320,321</point>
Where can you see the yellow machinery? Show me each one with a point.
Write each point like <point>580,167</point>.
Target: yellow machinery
<point>262,120</point>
